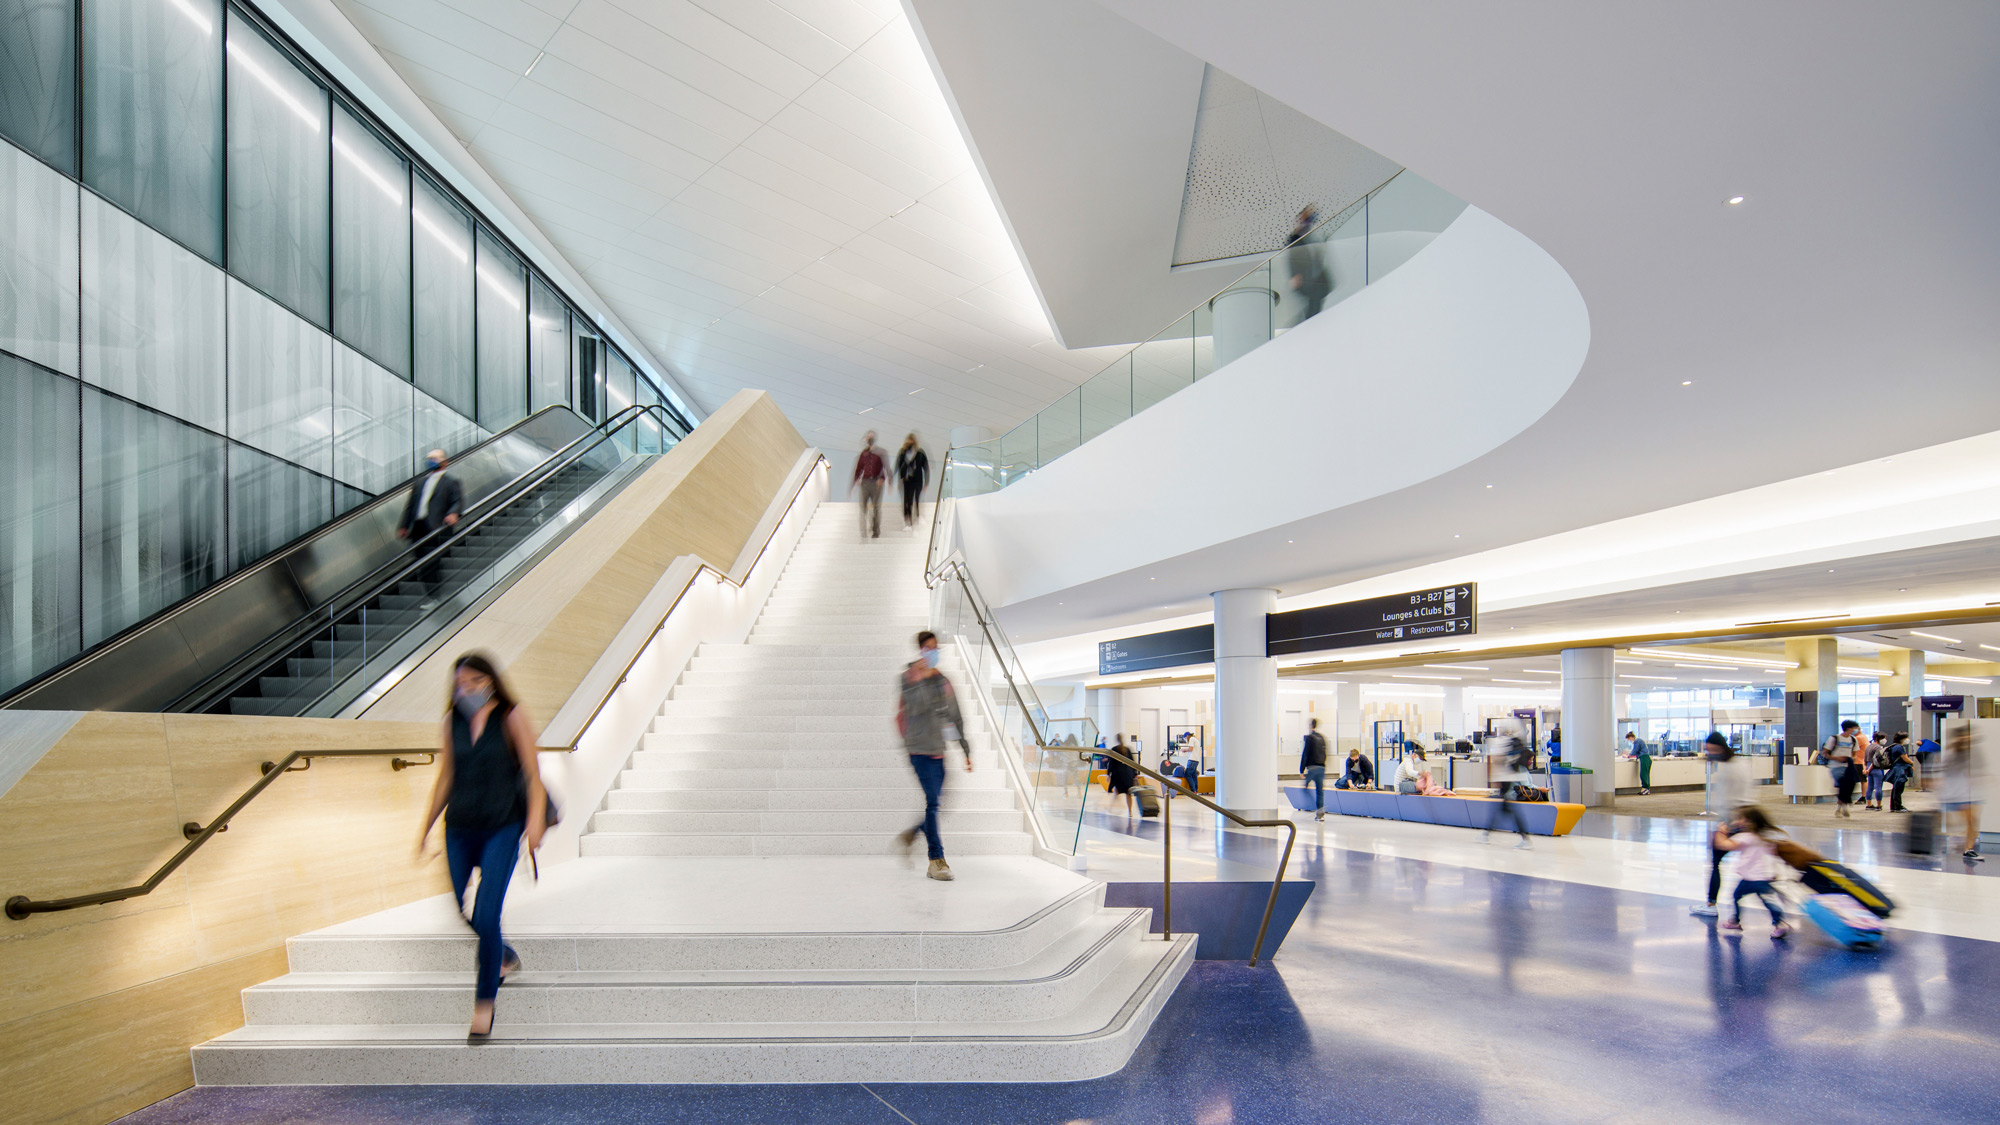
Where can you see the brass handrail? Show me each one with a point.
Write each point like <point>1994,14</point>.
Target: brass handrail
<point>1167,850</point>
<point>20,907</point>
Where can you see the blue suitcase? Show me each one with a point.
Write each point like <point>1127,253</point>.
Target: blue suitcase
<point>1845,921</point>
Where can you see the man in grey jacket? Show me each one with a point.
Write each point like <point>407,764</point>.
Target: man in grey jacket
<point>927,714</point>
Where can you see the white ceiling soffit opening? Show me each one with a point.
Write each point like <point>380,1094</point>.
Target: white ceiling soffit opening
<point>1082,123</point>
<point>1841,311</point>
<point>772,193</point>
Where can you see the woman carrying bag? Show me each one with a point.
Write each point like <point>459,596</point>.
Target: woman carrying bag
<point>489,790</point>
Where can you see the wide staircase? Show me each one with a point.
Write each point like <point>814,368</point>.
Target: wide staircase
<point>743,909</point>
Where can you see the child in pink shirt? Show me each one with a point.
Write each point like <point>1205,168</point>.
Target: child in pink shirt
<point>1749,835</point>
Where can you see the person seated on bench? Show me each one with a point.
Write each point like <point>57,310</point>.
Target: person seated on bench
<point>1359,773</point>
<point>1414,774</point>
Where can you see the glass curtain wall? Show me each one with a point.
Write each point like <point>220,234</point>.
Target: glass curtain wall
<point>198,367</point>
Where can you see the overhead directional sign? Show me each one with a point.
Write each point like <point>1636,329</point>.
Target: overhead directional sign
<point>1445,612</point>
<point>1171,649</point>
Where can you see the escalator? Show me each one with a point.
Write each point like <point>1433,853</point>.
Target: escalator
<point>330,621</point>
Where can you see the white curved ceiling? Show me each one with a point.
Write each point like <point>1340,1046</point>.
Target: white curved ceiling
<point>1845,310</point>
<point>771,193</point>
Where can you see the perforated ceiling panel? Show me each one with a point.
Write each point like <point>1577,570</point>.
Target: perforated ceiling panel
<point>1254,164</point>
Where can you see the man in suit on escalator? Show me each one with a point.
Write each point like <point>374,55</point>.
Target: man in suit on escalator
<point>434,506</point>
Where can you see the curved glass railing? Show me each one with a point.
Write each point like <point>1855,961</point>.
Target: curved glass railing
<point>1344,254</point>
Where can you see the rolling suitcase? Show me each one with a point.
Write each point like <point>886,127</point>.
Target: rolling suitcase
<point>1922,836</point>
<point>1845,920</point>
<point>1829,878</point>
<point>1149,801</point>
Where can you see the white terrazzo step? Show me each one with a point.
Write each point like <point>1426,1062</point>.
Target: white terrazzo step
<point>878,703</point>
<point>746,689</point>
<point>1094,1038</point>
<point>803,821</point>
<point>897,799</point>
<point>778,679</point>
<point>1041,987</point>
<point>896,654</point>
<point>836,635</point>
<point>449,946</point>
<point>882,755</point>
<point>805,724</point>
<point>888,777</point>
<point>771,742</point>
<point>799,844</point>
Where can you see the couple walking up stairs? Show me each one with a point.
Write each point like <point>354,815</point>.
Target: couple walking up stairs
<point>744,908</point>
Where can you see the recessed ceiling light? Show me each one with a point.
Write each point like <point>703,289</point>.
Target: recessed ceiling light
<point>533,65</point>
<point>1463,667</point>
<point>1687,382</point>
<point>1454,537</point>
<point>918,391</point>
<point>1935,637</point>
<point>1735,199</point>
<point>1489,486</point>
<point>1990,648</point>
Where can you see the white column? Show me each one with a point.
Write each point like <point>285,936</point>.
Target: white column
<point>1347,716</point>
<point>1589,716</point>
<point>1454,710</point>
<point>1246,704</point>
<point>1241,315</point>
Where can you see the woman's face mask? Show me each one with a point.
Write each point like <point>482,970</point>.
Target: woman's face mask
<point>470,700</point>
<point>930,658</point>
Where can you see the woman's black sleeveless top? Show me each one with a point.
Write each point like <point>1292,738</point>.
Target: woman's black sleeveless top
<point>486,789</point>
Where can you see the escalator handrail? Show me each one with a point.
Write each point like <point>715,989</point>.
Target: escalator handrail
<point>251,572</point>
<point>402,566</point>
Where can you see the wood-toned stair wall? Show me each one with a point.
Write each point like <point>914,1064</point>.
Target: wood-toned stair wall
<point>99,1006</point>
<point>704,498</point>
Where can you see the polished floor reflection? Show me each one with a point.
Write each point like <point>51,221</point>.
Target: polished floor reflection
<point>1414,989</point>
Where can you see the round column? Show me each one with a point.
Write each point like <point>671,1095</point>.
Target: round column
<point>1246,704</point>
<point>1241,315</point>
<point>1589,718</point>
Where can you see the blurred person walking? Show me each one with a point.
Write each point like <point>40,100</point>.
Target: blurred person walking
<point>1305,257</point>
<point>1958,794</point>
<point>1508,759</point>
<point>1750,837</point>
<point>490,793</point>
<point>927,716</point>
<point>869,474</point>
<point>1312,765</point>
<point>913,469</point>
<point>433,508</point>
<point>1121,776</point>
<point>1728,790</point>
<point>1902,771</point>
<point>1844,755</point>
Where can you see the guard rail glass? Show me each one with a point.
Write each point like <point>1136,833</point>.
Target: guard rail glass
<point>1050,758</point>
<point>1343,254</point>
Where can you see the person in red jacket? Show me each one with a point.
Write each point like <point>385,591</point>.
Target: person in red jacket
<point>869,474</point>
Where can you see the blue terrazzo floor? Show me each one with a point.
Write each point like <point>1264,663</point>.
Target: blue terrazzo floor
<point>1409,991</point>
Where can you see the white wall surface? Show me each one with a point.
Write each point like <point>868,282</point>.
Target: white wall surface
<point>1443,360</point>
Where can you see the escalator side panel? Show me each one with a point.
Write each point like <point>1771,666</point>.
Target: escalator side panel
<point>155,663</point>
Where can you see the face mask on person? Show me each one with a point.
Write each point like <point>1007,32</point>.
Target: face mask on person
<point>432,464</point>
<point>930,658</point>
<point>469,702</point>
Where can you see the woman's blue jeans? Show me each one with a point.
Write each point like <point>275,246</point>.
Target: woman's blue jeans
<point>493,851</point>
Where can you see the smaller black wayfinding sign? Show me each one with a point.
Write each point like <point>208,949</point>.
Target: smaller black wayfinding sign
<point>1448,611</point>
<point>1171,649</point>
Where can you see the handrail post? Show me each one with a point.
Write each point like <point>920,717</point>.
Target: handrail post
<point>1167,866</point>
